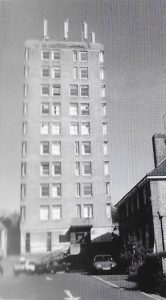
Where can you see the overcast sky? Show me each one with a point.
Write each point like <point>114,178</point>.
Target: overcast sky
<point>134,36</point>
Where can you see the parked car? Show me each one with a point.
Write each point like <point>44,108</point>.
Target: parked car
<point>56,266</point>
<point>24,266</point>
<point>41,267</point>
<point>103,263</point>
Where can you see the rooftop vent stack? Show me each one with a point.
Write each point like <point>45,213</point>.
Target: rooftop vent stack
<point>93,37</point>
<point>45,30</point>
<point>85,31</point>
<point>66,29</point>
<point>164,118</point>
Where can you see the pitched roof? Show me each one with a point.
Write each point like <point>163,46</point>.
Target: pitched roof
<point>160,170</point>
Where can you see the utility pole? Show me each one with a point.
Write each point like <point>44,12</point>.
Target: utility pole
<point>162,233</point>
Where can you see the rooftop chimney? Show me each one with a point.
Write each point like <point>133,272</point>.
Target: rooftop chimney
<point>66,29</point>
<point>45,30</point>
<point>93,37</point>
<point>85,31</point>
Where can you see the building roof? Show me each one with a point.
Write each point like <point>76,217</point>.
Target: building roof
<point>159,173</point>
<point>160,170</point>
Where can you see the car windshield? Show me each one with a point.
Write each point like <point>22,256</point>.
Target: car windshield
<point>102,258</point>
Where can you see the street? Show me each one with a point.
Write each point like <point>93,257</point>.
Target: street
<point>70,286</point>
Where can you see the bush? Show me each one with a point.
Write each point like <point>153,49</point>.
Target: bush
<point>163,288</point>
<point>149,275</point>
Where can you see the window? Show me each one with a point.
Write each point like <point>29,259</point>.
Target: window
<point>57,212</point>
<point>56,148</point>
<point>44,212</point>
<point>73,109</point>
<point>56,54</point>
<point>56,109</point>
<point>56,72</point>
<point>56,128</point>
<point>25,108</point>
<point>45,109</point>
<point>26,69</point>
<point>77,148</point>
<point>44,169</point>
<point>44,190</point>
<point>137,201</point>
<point>84,73</point>
<point>88,211</point>
<point>45,54</point>
<point>86,168</point>
<point>24,128</point>
<point>144,195</point>
<point>49,241</point>
<point>104,109</point>
<point>44,148</point>
<point>85,128</point>
<point>83,56</point>
<point>74,55</point>
<point>78,190</point>
<point>56,168</point>
<point>25,91</point>
<point>78,211</point>
<point>77,168</point>
<point>105,148</point>
<point>26,53</point>
<point>87,189</point>
<point>56,90</point>
<point>45,90</point>
<point>84,90</point>
<point>45,72</point>
<point>23,169</point>
<point>104,125</point>
<point>107,188</point>
<point>86,148</point>
<point>23,190</point>
<point>56,190</point>
<point>75,72</point>
<point>106,168</point>
<point>84,109</point>
<point>102,74</point>
<point>74,128</point>
<point>73,90</point>
<point>102,91</point>
<point>108,210</point>
<point>23,213</point>
<point>101,56</point>
<point>44,128</point>
<point>24,148</point>
<point>27,242</point>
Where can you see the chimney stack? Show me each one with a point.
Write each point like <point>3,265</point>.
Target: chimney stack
<point>66,29</point>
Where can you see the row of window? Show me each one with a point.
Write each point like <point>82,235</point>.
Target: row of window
<point>84,189</point>
<point>83,148</point>
<point>74,128</point>
<point>74,90</point>
<point>133,204</point>
<point>55,55</point>
<point>74,108</point>
<point>55,146</point>
<point>56,168</point>
<point>55,212</point>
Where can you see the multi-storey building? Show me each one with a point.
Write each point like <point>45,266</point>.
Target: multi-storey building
<point>65,168</point>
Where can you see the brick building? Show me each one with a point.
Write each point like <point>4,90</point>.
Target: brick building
<point>65,167</point>
<point>142,211</point>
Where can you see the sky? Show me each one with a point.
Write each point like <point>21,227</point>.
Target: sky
<point>134,36</point>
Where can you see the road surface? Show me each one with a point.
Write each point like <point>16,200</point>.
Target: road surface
<point>70,286</point>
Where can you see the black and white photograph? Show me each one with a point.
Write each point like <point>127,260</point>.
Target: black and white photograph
<point>82,149</point>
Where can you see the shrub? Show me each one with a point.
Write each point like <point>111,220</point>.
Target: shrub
<point>149,275</point>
